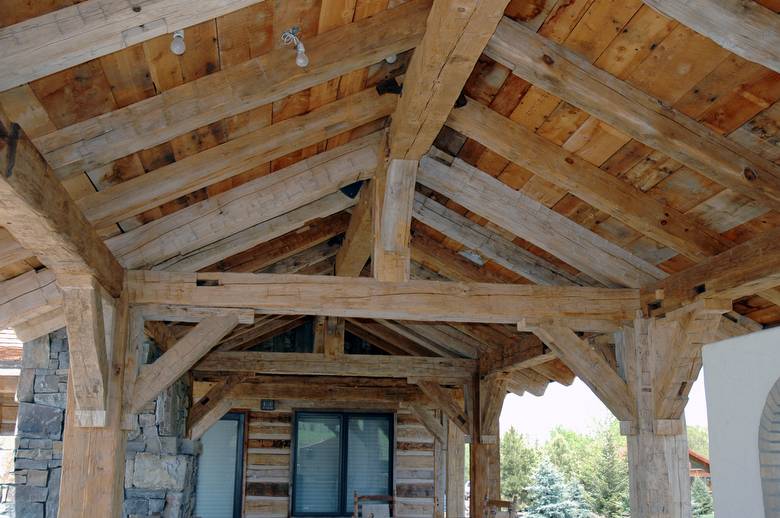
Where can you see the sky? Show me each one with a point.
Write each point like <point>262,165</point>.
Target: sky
<point>577,408</point>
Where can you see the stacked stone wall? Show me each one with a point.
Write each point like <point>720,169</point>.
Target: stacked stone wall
<point>161,465</point>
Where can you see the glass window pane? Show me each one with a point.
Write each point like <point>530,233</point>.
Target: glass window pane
<point>217,471</point>
<point>368,456</point>
<point>317,459</point>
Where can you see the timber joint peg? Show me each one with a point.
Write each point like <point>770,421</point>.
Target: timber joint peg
<point>548,60</point>
<point>750,174</point>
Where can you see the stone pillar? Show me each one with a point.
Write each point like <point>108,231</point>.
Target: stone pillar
<point>659,483</point>
<point>161,465</point>
<point>32,487</point>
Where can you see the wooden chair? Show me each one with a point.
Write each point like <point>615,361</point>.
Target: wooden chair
<point>390,500</point>
<point>501,508</point>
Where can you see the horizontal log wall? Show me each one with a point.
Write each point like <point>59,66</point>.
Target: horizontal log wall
<point>268,464</point>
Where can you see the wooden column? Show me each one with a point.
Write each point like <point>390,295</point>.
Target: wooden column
<point>440,468</point>
<point>456,472</point>
<point>657,448</point>
<point>479,476</point>
<point>93,461</point>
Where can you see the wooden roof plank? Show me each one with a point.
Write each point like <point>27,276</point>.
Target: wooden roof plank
<point>259,81</point>
<point>76,34</point>
<point>648,120</point>
<point>747,29</point>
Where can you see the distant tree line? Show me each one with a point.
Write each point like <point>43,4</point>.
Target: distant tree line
<point>576,475</point>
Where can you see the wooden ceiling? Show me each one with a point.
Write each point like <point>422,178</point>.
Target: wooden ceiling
<point>147,168</point>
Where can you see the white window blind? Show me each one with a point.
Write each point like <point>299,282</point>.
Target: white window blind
<point>337,454</point>
<point>318,459</point>
<point>215,492</point>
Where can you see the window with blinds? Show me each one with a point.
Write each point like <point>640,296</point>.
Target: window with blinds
<point>220,469</point>
<point>336,454</point>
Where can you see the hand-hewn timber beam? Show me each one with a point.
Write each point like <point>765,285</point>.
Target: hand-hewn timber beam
<point>368,298</point>
<point>534,222</point>
<point>455,36</point>
<point>43,218</point>
<point>748,29</point>
<point>40,325</point>
<point>211,407</point>
<point>689,329</point>
<point>28,296</point>
<point>10,250</point>
<point>573,79</point>
<point>490,244</point>
<point>177,360</point>
<point>601,189</point>
<point>442,337</point>
<point>430,422</point>
<point>231,221</point>
<point>392,216</point>
<point>492,392</point>
<point>591,367</point>
<point>93,459</point>
<point>450,370</point>
<point>733,324</point>
<point>448,405</point>
<point>88,319</point>
<point>169,313</point>
<point>746,269</point>
<point>76,34</point>
<point>333,335</point>
<point>144,192</point>
<point>100,140</point>
<point>356,247</point>
<point>429,255</point>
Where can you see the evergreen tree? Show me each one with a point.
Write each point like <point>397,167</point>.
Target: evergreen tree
<point>577,496</point>
<point>548,495</point>
<point>701,499</point>
<point>610,491</point>
<point>518,464</point>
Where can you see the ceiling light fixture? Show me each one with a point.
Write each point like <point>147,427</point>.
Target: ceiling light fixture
<point>177,44</point>
<point>291,38</point>
<point>391,59</point>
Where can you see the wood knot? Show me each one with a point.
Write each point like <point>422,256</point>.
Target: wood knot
<point>750,174</point>
<point>569,160</point>
<point>548,60</point>
<point>136,8</point>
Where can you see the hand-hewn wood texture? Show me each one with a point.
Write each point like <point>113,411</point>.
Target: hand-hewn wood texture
<point>177,360</point>
<point>489,244</point>
<point>27,296</point>
<point>443,400</point>
<point>743,270</point>
<point>591,367</point>
<point>449,370</point>
<point>234,157</point>
<point>569,76</point>
<point>211,407</point>
<point>43,218</point>
<point>586,181</point>
<point>657,448</point>
<point>536,223</point>
<point>367,298</point>
<point>356,248</point>
<point>89,322</point>
<point>75,34</point>
<point>456,33</point>
<point>93,459</point>
<point>228,223</point>
<point>748,29</point>
<point>153,121</point>
<point>391,257</point>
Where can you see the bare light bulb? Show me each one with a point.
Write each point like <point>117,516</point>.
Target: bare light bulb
<point>391,59</point>
<point>177,44</point>
<point>301,59</point>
